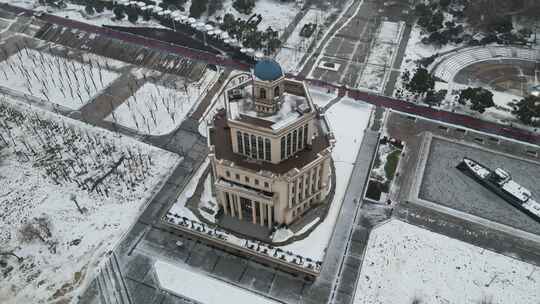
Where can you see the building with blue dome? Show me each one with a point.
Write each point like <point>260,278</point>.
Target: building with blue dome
<point>268,70</point>
<point>270,152</point>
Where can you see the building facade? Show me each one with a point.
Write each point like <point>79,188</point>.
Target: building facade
<point>270,151</point>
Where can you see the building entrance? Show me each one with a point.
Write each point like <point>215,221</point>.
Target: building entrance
<point>247,209</point>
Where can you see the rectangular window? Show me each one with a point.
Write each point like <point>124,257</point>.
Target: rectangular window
<point>300,138</point>
<point>260,147</point>
<point>294,141</point>
<point>283,147</point>
<point>256,182</point>
<point>267,149</point>
<point>237,176</point>
<point>240,142</point>
<point>288,144</point>
<point>246,179</point>
<point>253,146</point>
<point>246,144</point>
<point>305,134</point>
<point>266,185</point>
<point>228,173</point>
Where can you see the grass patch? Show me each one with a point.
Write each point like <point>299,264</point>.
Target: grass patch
<point>392,161</point>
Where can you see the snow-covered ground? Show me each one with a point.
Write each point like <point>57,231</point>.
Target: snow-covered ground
<point>296,46</point>
<point>203,288</point>
<point>180,207</point>
<point>348,120</point>
<point>56,79</point>
<point>276,14</point>
<point>155,109</point>
<point>34,186</point>
<point>416,50</point>
<point>77,12</point>
<point>320,96</point>
<point>381,56</point>
<point>405,262</point>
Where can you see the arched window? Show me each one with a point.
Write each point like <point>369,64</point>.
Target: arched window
<point>276,91</point>
<point>262,92</point>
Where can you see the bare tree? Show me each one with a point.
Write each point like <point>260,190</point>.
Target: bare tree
<point>37,228</point>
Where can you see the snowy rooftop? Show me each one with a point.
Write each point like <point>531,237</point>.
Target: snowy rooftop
<point>292,108</point>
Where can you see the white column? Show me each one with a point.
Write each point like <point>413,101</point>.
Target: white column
<point>224,202</point>
<point>269,216</point>
<point>261,212</point>
<point>253,212</point>
<point>232,198</point>
<point>238,206</point>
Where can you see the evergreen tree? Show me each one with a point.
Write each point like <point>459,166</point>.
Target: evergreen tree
<point>244,6</point>
<point>89,10</point>
<point>214,6</point>
<point>480,98</point>
<point>119,12</point>
<point>198,8</point>
<point>528,110</point>
<point>421,82</point>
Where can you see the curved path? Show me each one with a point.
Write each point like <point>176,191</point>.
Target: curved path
<point>378,100</point>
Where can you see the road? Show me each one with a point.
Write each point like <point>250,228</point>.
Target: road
<point>375,99</point>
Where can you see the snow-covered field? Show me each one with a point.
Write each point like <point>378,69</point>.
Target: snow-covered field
<point>381,56</point>
<point>202,288</point>
<point>405,262</point>
<point>348,120</point>
<point>55,79</point>
<point>276,14</point>
<point>45,177</point>
<point>77,12</point>
<point>155,109</point>
<point>296,46</point>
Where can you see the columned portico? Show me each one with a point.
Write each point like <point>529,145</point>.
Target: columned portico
<point>258,212</point>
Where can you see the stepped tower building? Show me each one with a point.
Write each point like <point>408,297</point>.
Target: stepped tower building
<point>270,150</point>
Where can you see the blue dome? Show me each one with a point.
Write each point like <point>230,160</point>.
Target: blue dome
<point>268,70</point>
